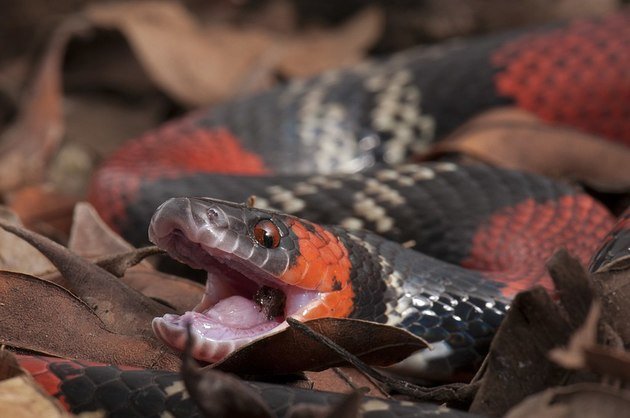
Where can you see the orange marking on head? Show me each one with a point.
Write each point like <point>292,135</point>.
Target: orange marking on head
<point>323,264</point>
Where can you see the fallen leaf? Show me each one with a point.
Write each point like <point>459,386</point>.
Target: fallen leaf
<point>344,380</point>
<point>196,65</point>
<point>121,308</point>
<point>611,280</point>
<point>27,146</point>
<point>176,53</point>
<point>177,292</point>
<point>16,254</point>
<point>9,367</point>
<point>580,400</point>
<point>276,354</point>
<point>515,370</point>
<point>573,356</point>
<point>43,317</point>
<point>314,52</point>
<point>90,237</point>
<point>515,139</point>
<point>42,206</point>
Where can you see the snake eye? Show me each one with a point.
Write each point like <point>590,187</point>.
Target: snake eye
<point>267,234</point>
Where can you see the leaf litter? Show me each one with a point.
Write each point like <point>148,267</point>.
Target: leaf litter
<point>593,351</point>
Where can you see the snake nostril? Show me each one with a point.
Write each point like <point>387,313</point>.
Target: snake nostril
<point>212,213</point>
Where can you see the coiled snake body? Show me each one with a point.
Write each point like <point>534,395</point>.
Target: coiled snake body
<point>477,234</point>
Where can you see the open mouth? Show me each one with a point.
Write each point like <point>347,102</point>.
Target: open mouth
<point>241,303</point>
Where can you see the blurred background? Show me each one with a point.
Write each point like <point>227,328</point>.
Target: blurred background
<point>78,77</point>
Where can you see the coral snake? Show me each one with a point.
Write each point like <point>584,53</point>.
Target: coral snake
<point>327,153</point>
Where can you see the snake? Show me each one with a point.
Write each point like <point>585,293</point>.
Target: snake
<point>325,158</point>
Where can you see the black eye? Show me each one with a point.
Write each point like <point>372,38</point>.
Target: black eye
<point>267,234</point>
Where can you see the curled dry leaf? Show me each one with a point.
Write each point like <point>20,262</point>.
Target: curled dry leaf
<point>573,356</point>
<point>121,308</point>
<point>580,400</point>
<point>320,50</point>
<point>44,208</point>
<point>344,380</point>
<point>515,370</point>
<point>276,354</point>
<point>513,138</point>
<point>9,366</point>
<point>196,65</point>
<point>27,146</point>
<point>16,254</point>
<point>90,237</point>
<point>43,317</point>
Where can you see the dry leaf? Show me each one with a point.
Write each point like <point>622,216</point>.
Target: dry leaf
<point>90,237</point>
<point>43,317</point>
<point>515,370</point>
<point>121,308</point>
<point>515,139</point>
<point>27,146</point>
<point>320,50</point>
<point>176,52</point>
<point>572,357</point>
<point>344,380</point>
<point>16,254</point>
<point>199,65</point>
<point>276,354</point>
<point>42,206</point>
<point>581,400</point>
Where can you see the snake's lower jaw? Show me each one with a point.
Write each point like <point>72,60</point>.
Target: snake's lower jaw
<point>171,329</point>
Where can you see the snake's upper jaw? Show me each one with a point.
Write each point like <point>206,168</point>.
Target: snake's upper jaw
<point>241,303</point>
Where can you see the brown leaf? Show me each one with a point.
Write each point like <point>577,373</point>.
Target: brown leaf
<point>320,50</point>
<point>9,366</point>
<point>572,286</point>
<point>513,138</point>
<point>193,66</point>
<point>121,308</point>
<point>612,287</point>
<point>580,400</point>
<point>197,65</point>
<point>516,369</point>
<point>43,207</point>
<point>177,292</point>
<point>344,380</point>
<point>16,254</point>
<point>27,146</point>
<point>90,237</point>
<point>43,317</point>
<point>275,354</point>
<point>572,357</point>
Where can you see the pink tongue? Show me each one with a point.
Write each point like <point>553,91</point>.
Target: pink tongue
<point>236,312</point>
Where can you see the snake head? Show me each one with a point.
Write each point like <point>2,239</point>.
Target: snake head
<point>263,266</point>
